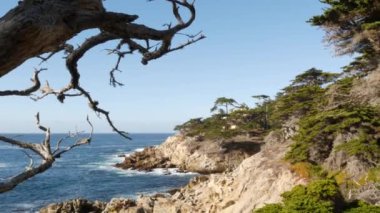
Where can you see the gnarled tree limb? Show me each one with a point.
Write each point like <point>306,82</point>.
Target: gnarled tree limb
<point>38,27</point>
<point>41,149</point>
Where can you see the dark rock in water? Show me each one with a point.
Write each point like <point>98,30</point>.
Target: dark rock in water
<point>77,206</point>
<point>146,160</point>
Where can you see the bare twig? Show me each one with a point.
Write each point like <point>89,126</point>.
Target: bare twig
<point>28,91</point>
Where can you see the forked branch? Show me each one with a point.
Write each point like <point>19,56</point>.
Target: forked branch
<point>41,149</point>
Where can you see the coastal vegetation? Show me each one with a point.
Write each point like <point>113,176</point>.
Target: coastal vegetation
<point>333,125</point>
<point>317,196</point>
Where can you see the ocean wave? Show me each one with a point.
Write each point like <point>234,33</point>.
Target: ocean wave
<point>24,207</point>
<point>171,171</point>
<point>110,161</point>
<point>4,165</point>
<point>154,172</point>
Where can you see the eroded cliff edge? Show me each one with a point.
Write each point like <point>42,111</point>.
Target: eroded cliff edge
<point>257,180</point>
<point>333,129</point>
<point>194,155</point>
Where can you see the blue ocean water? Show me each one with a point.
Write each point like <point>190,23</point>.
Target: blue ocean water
<point>85,172</point>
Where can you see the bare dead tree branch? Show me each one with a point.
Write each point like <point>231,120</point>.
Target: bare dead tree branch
<point>94,106</point>
<point>41,149</point>
<point>26,32</point>
<point>28,91</point>
<point>89,14</point>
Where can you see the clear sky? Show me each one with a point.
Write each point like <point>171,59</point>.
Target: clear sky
<point>252,47</point>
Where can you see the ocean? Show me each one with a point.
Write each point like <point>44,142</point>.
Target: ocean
<point>84,172</point>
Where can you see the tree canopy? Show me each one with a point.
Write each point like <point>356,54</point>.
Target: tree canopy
<point>314,77</point>
<point>352,26</point>
<point>225,103</point>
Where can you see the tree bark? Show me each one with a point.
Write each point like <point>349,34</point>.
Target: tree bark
<point>36,27</point>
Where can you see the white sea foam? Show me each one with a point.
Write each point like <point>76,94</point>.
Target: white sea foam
<point>154,172</point>
<point>4,165</point>
<point>108,165</point>
<point>171,171</point>
<point>24,207</point>
<point>139,150</point>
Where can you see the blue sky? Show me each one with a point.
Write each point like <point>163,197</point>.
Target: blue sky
<point>252,47</point>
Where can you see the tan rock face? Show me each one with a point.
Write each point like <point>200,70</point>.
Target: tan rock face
<point>77,205</point>
<point>192,155</point>
<point>259,180</point>
<point>367,90</point>
<point>243,186</point>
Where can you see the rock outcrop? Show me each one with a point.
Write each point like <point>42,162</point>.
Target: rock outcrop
<point>258,180</point>
<point>148,159</point>
<point>77,206</point>
<point>191,154</point>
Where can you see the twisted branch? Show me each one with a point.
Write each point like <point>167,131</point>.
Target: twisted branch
<point>26,92</point>
<point>41,149</point>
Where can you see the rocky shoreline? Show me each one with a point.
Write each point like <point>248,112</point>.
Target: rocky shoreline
<point>193,155</point>
<point>241,175</point>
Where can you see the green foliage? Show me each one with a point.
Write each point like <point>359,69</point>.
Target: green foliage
<point>352,26</point>
<point>299,152</point>
<point>270,208</point>
<point>189,125</point>
<point>322,127</point>
<point>314,77</point>
<point>225,103</point>
<point>303,96</point>
<point>361,207</point>
<point>296,102</point>
<point>371,26</point>
<point>363,63</point>
<point>217,126</point>
<point>319,196</point>
<point>344,85</point>
<point>364,146</point>
<point>242,120</point>
<point>373,175</point>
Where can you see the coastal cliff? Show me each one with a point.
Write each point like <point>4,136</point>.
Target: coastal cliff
<point>258,180</point>
<point>322,153</point>
<point>194,155</point>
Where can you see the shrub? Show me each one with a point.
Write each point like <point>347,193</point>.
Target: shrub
<point>319,196</point>
<point>321,128</point>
